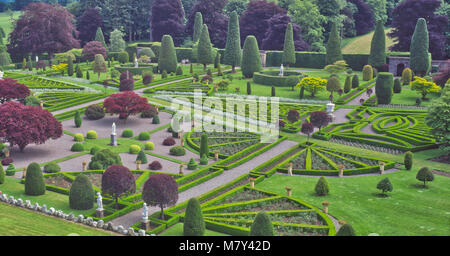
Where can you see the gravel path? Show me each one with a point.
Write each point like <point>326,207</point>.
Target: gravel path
<point>228,176</point>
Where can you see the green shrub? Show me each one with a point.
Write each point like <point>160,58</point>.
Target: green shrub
<point>155,120</point>
<point>397,86</point>
<point>144,136</point>
<point>94,150</point>
<point>92,135</point>
<point>77,147</point>
<point>134,149</point>
<point>164,74</point>
<point>78,137</point>
<point>425,174</point>
<point>127,133</point>
<point>177,151</point>
<point>384,87</point>
<point>346,230</point>
<point>34,181</point>
<point>322,188</point>
<point>333,46</point>
<point>94,112</point>
<point>407,76</point>
<point>142,157</point>
<point>192,165</point>
<point>10,171</point>
<point>262,225</point>
<point>348,84</point>
<point>204,160</point>
<point>167,57</point>
<point>408,160</point>
<point>82,195</point>
<point>77,119</point>
<point>194,225</point>
<point>204,150</point>
<point>251,61</point>
<point>52,168</point>
<point>385,186</point>
<point>179,71</point>
<point>149,145</point>
<point>2,175</point>
<point>367,73</point>
<point>103,159</point>
<point>123,57</point>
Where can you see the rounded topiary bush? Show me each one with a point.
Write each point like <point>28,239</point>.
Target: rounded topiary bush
<point>169,141</point>
<point>262,225</point>
<point>82,195</point>
<point>204,160</point>
<point>192,165</point>
<point>144,136</point>
<point>424,175</point>
<point>408,160</point>
<point>78,137</point>
<point>155,120</point>
<point>346,230</point>
<point>147,79</point>
<point>134,149</point>
<point>355,81</point>
<point>7,161</point>
<point>322,188</point>
<point>91,135</point>
<point>94,150</point>
<point>77,147</point>
<point>194,225</point>
<point>142,157</point>
<point>149,145</point>
<point>155,165</point>
<point>52,168</point>
<point>367,73</point>
<point>407,76</point>
<point>123,57</point>
<point>10,170</point>
<point>126,85</point>
<point>178,151</point>
<point>94,112</point>
<point>127,133</point>
<point>384,87</point>
<point>103,159</point>
<point>34,181</point>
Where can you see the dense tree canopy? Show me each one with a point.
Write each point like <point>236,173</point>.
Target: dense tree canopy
<point>87,25</point>
<point>117,181</point>
<point>125,104</point>
<point>364,17</point>
<point>93,48</point>
<point>167,19</point>
<point>160,190</point>
<point>11,89</point>
<point>275,35</point>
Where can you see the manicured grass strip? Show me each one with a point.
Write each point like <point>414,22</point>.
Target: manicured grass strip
<point>165,157</point>
<point>177,230</point>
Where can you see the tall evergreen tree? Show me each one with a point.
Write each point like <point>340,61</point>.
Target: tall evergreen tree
<point>194,225</point>
<point>233,52</point>
<point>289,47</point>
<point>205,48</point>
<point>167,55</point>
<point>99,37</point>
<point>117,44</point>
<point>334,46</point>
<point>70,66</point>
<point>251,61</point>
<point>198,25</point>
<point>419,58</point>
<point>377,56</point>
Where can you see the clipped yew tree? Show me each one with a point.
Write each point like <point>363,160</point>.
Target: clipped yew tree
<point>406,76</point>
<point>262,225</point>
<point>82,195</point>
<point>424,175</point>
<point>289,47</point>
<point>204,52</point>
<point>77,119</point>
<point>367,73</point>
<point>194,225</point>
<point>160,190</point>
<point>198,25</point>
<point>103,159</point>
<point>204,145</point>
<point>385,185</point>
<point>99,36</point>
<point>99,65</point>
<point>142,157</point>
<point>167,59</point>
<point>408,161</point>
<point>233,52</point>
<point>419,59</point>
<point>397,85</point>
<point>384,87</point>
<point>355,81</point>
<point>118,181</point>
<point>333,85</point>
<point>34,181</point>
<point>251,61</point>
<point>346,230</point>
<point>377,56</point>
<point>334,46</point>
<point>322,188</point>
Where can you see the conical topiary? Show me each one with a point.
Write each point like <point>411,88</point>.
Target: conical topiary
<point>167,60</point>
<point>192,165</point>
<point>204,160</point>
<point>346,230</point>
<point>251,60</point>
<point>425,174</point>
<point>397,86</point>
<point>34,181</point>
<point>333,46</point>
<point>322,188</point>
<point>262,225</point>
<point>155,120</point>
<point>194,225</point>
<point>77,119</point>
<point>82,195</point>
<point>419,58</point>
<point>348,84</point>
<point>408,160</point>
<point>355,81</point>
<point>204,145</point>
<point>142,157</point>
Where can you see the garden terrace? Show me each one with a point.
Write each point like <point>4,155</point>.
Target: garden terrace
<point>37,82</point>
<point>184,86</point>
<point>60,100</point>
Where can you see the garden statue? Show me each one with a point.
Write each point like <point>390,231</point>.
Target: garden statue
<point>1,74</point>
<point>136,64</point>
<point>281,70</point>
<point>99,201</point>
<point>37,59</point>
<point>113,135</point>
<point>144,212</point>
<point>330,110</point>
<point>114,129</point>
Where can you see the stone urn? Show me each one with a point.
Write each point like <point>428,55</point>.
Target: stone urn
<point>84,164</point>
<point>138,164</point>
<point>181,169</point>
<point>341,170</point>
<point>216,156</point>
<point>381,163</point>
<point>252,182</point>
<point>325,205</point>
<point>288,191</point>
<point>290,168</point>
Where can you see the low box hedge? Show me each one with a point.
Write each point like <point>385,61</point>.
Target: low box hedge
<point>272,78</point>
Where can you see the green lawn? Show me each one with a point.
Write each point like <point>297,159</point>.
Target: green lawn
<point>408,97</point>
<point>410,210</point>
<point>15,221</point>
<point>361,44</point>
<point>5,21</point>
<point>177,230</point>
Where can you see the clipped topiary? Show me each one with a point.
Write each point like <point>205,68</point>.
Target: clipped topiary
<point>346,230</point>
<point>262,225</point>
<point>77,119</point>
<point>169,142</point>
<point>179,71</point>
<point>2,175</point>
<point>425,174</point>
<point>144,136</point>
<point>94,150</point>
<point>34,181</point>
<point>142,157</point>
<point>322,188</point>
<point>384,87</point>
<point>348,84</point>
<point>149,145</point>
<point>204,160</point>
<point>52,168</point>
<point>123,57</point>
<point>407,76</point>
<point>103,159</point>
<point>91,135</point>
<point>355,81</point>
<point>194,225</point>
<point>78,137</point>
<point>155,165</point>
<point>251,61</point>
<point>192,165</point>
<point>77,147</point>
<point>149,113</point>
<point>177,151</point>
<point>397,86</point>
<point>94,112</point>
<point>385,186</point>
<point>367,73</point>
<point>82,195</point>
<point>134,149</point>
<point>10,170</point>
<point>408,161</point>
<point>127,133</point>
<point>155,120</point>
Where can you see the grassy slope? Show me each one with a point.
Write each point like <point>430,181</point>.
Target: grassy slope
<point>5,21</point>
<point>361,44</point>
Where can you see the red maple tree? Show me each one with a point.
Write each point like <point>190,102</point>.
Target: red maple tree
<point>125,104</point>
<point>11,89</point>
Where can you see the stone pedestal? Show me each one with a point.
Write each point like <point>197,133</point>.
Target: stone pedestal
<point>113,140</point>
<point>100,213</point>
<point>84,164</point>
<point>181,169</point>
<point>252,182</point>
<point>289,191</point>
<point>7,154</point>
<point>341,173</point>
<point>325,209</point>
<point>216,156</point>
<point>290,169</point>
<point>145,224</point>
<point>381,169</point>
<point>138,165</point>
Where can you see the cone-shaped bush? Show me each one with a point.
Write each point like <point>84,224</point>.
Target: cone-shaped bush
<point>302,92</point>
<point>334,46</point>
<point>167,60</point>
<point>233,53</point>
<point>78,119</point>
<point>262,225</point>
<point>383,87</point>
<point>419,58</point>
<point>78,71</point>
<point>155,120</point>
<point>425,174</point>
<point>251,61</point>
<point>289,47</point>
<point>348,84</point>
<point>273,91</point>
<point>194,225</point>
<point>144,136</point>
<point>322,188</point>
<point>204,52</point>
<point>99,36</point>
<point>34,181</point>
<point>355,81</point>
<point>198,25</point>
<point>70,66</point>
<point>367,73</point>
<point>377,56</point>
<point>179,71</point>
<point>397,86</point>
<point>82,195</point>
<point>2,175</point>
<point>204,160</point>
<point>204,145</point>
<point>142,157</point>
<point>406,76</point>
<point>249,88</point>
<point>346,230</point>
<point>408,160</point>
<point>192,165</point>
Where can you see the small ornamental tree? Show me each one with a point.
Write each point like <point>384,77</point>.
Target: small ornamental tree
<point>322,188</point>
<point>118,181</point>
<point>81,195</point>
<point>198,26</point>
<point>313,85</point>
<point>167,60</point>
<point>367,73</point>
<point>424,174</point>
<point>397,86</point>
<point>99,65</point>
<point>123,57</point>
<point>125,104</point>
<point>232,55</point>
<point>408,161</point>
<point>384,87</point>
<point>424,86</point>
<point>307,128</point>
<point>10,89</point>
<point>93,48</point>
<point>293,116</point>
<point>99,37</point>
<point>194,225</point>
<point>117,42</point>
<point>334,46</point>
<point>204,52</point>
<point>262,225</point>
<point>319,119</point>
<point>251,61</point>
<point>142,157</point>
<point>346,230</point>
<point>204,145</point>
<point>160,190</point>
<point>348,84</point>
<point>34,181</point>
<point>333,85</point>
<point>289,47</point>
<point>377,57</point>
<point>385,186</point>
<point>126,85</point>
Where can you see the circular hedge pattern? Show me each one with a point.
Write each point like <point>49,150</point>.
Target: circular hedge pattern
<point>290,78</point>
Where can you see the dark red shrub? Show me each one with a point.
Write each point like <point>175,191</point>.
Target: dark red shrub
<point>118,181</point>
<point>126,85</point>
<point>293,116</point>
<point>11,89</point>
<point>126,75</point>
<point>169,142</point>
<point>147,79</point>
<point>155,165</point>
<point>7,160</point>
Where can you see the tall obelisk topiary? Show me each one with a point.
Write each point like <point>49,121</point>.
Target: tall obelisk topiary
<point>289,47</point>
<point>233,55</point>
<point>204,150</point>
<point>251,61</point>
<point>194,225</point>
<point>34,181</point>
<point>334,46</point>
<point>167,55</point>
<point>204,52</point>
<point>384,87</point>
<point>70,66</point>
<point>99,37</point>
<point>419,58</point>
<point>198,25</point>
<point>377,56</point>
